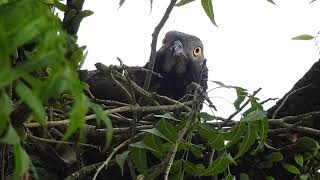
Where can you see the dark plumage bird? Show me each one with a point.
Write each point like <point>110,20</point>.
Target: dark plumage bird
<point>180,61</point>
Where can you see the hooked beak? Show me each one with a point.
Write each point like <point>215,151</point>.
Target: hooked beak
<point>178,51</point>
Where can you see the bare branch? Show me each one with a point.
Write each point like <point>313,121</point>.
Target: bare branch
<point>155,35</point>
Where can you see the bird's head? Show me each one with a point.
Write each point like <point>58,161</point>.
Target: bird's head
<point>180,52</point>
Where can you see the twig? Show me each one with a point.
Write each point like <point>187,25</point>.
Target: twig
<point>137,68</point>
<point>282,123</point>
<point>52,141</point>
<point>118,110</point>
<point>168,161</point>
<point>269,99</point>
<point>139,90</point>
<point>122,87</point>
<point>155,34</point>
<point>105,164</point>
<point>241,108</point>
<point>109,102</point>
<point>134,122</point>
<point>301,117</point>
<point>84,171</point>
<point>286,98</point>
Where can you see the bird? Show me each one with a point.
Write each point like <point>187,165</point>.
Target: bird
<point>180,61</point>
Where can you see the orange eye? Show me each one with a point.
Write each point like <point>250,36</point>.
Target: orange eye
<point>164,41</point>
<point>197,51</point>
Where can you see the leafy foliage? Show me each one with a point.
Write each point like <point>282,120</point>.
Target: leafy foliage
<point>303,37</point>
<point>35,69</point>
<point>39,67</point>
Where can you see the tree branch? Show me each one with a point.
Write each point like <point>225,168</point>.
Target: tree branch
<point>155,35</point>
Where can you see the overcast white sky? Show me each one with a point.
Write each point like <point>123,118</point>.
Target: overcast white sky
<point>251,48</point>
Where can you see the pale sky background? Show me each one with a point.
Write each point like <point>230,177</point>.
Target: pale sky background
<point>251,48</point>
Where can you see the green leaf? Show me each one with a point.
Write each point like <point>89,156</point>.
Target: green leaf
<point>153,142</point>
<point>217,166</point>
<point>121,159</point>
<point>308,143</point>
<point>215,138</point>
<point>235,133</point>
<point>274,157</point>
<point>271,1</point>
<point>177,170</point>
<point>2,2</point>
<point>101,116</point>
<point>168,130</point>
<point>249,138</point>
<point>206,116</point>
<point>77,114</point>
<point>193,169</point>
<point>60,6</point>
<point>303,37</point>
<point>86,13</point>
<point>21,160</point>
<point>5,111</point>
<point>196,150</point>
<point>270,178</point>
<point>263,133</point>
<point>221,84</point>
<point>142,145</point>
<point>10,137</point>
<point>298,158</point>
<point>121,3</point>
<point>207,7</point>
<point>244,176</point>
<point>139,159</point>
<point>254,116</point>
<point>183,2</point>
<point>290,168</point>
<point>29,98</point>
<point>168,116</point>
<point>230,177</point>
<point>156,132</point>
<point>216,141</point>
<point>241,95</point>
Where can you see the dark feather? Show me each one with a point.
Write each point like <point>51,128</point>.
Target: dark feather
<point>175,62</point>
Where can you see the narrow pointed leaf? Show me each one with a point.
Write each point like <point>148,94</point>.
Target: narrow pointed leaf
<point>193,169</point>
<point>241,95</point>
<point>303,37</point>
<point>274,157</point>
<point>10,137</point>
<point>28,97</point>
<point>121,3</point>
<point>254,116</point>
<point>139,159</point>
<point>271,1</point>
<point>207,7</point>
<point>21,160</point>
<point>168,130</point>
<point>217,166</point>
<point>291,168</point>
<point>142,145</point>
<point>183,2</point>
<point>235,133</point>
<point>249,138</point>
<point>121,159</point>
<point>298,158</point>
<point>158,133</point>
<point>263,133</point>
